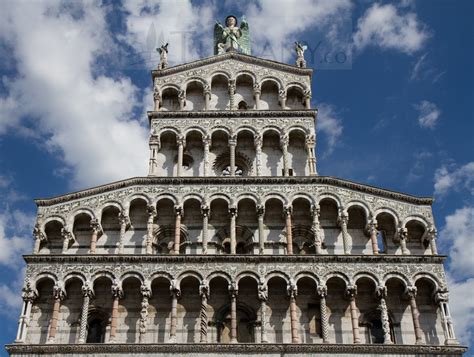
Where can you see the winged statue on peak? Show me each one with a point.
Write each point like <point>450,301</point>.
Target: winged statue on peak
<point>231,37</point>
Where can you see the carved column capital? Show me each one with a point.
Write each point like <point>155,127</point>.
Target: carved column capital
<point>233,140</point>
<point>310,141</point>
<point>262,291</point>
<point>292,289</point>
<point>123,219</point>
<point>431,233</point>
<point>257,89</point>
<point>372,227</point>
<point>96,226</point>
<point>410,292</point>
<point>233,289</point>
<point>258,141</point>
<point>145,290</point>
<point>316,210</point>
<point>205,210</point>
<point>38,233</point>
<point>87,290</point>
<point>260,210</point>
<point>181,141</point>
<point>307,94</point>
<point>204,288</point>
<point>288,210</point>
<point>28,292</point>
<point>284,141</point>
<point>58,291</point>
<point>179,211</point>
<point>207,140</point>
<point>351,291</point>
<point>402,233</point>
<point>151,210</point>
<point>441,296</point>
<point>343,219</point>
<point>207,89</point>
<point>322,291</point>
<point>233,211</point>
<point>156,94</point>
<point>116,289</point>
<point>174,288</point>
<point>381,292</point>
<point>282,94</point>
<point>232,86</point>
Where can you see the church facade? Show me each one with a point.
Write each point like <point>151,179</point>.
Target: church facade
<point>233,243</point>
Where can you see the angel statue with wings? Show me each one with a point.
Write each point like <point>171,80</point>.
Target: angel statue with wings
<point>231,37</point>
<point>300,48</point>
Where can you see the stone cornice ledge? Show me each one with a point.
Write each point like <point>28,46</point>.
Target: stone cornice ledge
<point>226,349</point>
<point>301,180</point>
<point>244,58</point>
<point>232,259</point>
<point>233,114</point>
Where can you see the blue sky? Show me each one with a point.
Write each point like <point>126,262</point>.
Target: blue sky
<point>393,83</point>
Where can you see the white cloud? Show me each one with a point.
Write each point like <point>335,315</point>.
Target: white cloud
<point>330,124</point>
<point>384,26</point>
<point>462,309</point>
<point>428,114</point>
<point>186,26</point>
<point>457,235</point>
<point>15,236</point>
<point>9,299</point>
<point>447,179</point>
<point>420,63</point>
<point>275,25</point>
<point>10,295</point>
<point>87,119</point>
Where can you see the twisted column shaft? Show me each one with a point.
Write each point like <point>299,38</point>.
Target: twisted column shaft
<point>351,293</point>
<point>179,169</point>
<point>261,237</point>
<point>204,291</point>
<point>177,230</point>
<point>117,293</point>
<point>149,236</point>
<point>233,315</point>
<point>373,237</point>
<point>96,228</point>
<point>232,145</point>
<point>205,227</point>
<point>28,295</point>
<point>233,243</point>
<point>317,229</point>
<point>323,292</point>
<point>293,318</point>
<point>343,221</point>
<point>174,317</point>
<point>382,293</point>
<point>146,294</point>
<point>411,292</point>
<point>87,293</point>
<point>289,231</point>
<point>207,144</point>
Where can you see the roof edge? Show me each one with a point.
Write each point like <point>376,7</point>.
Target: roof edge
<point>150,180</point>
<point>231,55</point>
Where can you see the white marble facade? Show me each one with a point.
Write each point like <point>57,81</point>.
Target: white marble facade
<point>233,239</point>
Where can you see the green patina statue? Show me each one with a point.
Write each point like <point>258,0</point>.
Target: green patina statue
<point>232,37</point>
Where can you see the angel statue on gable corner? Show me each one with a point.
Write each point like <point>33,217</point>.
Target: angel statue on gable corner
<point>231,37</point>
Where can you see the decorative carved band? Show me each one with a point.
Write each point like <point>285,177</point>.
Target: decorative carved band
<point>201,258</point>
<point>226,349</point>
<point>247,181</point>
